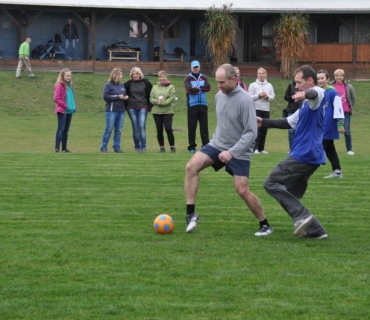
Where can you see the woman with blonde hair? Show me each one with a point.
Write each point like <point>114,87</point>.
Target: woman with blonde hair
<point>162,97</point>
<point>262,93</point>
<point>114,95</point>
<point>65,106</point>
<point>348,96</point>
<point>138,106</point>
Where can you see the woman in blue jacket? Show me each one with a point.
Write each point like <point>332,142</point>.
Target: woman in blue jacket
<point>114,95</point>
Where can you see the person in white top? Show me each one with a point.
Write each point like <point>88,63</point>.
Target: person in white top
<point>262,93</point>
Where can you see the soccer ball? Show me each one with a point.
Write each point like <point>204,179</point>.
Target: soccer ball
<point>163,224</point>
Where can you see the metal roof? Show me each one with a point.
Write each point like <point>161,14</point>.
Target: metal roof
<point>271,6</point>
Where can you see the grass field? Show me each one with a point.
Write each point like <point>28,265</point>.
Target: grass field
<point>76,232</point>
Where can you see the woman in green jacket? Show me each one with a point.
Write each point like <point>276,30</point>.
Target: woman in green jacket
<point>162,97</point>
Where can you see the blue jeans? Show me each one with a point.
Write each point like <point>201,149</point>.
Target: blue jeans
<point>113,119</point>
<point>347,133</point>
<point>291,133</point>
<point>138,121</point>
<point>64,122</point>
<point>70,47</point>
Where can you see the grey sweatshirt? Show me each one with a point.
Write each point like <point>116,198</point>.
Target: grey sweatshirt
<point>236,128</point>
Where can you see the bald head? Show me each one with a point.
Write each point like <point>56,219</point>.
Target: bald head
<point>226,78</point>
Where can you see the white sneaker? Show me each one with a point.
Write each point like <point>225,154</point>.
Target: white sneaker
<point>264,231</point>
<point>192,220</point>
<point>301,225</point>
<point>334,175</point>
<point>256,151</point>
<point>264,152</point>
<point>350,153</point>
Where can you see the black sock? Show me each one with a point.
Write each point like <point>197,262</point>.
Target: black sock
<point>264,223</point>
<point>190,209</point>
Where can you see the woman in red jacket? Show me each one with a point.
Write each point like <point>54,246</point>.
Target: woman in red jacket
<point>65,106</point>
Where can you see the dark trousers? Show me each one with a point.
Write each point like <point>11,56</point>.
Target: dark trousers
<point>64,122</point>
<point>195,114</point>
<point>287,183</point>
<point>164,121</point>
<point>262,132</point>
<point>331,153</point>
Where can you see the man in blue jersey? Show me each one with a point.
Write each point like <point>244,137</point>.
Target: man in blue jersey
<point>334,122</point>
<point>288,181</point>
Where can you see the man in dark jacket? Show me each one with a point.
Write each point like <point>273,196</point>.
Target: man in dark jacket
<point>196,87</point>
<point>71,34</point>
<point>292,107</point>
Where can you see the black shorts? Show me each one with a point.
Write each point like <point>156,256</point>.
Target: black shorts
<point>235,167</point>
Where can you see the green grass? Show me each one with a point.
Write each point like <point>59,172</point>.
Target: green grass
<point>76,229</point>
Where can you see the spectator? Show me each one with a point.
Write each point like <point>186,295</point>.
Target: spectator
<point>291,108</point>
<point>348,96</point>
<point>196,87</point>
<point>114,95</point>
<point>333,122</point>
<point>138,89</point>
<point>240,80</point>
<point>162,97</point>
<point>262,93</point>
<point>71,36</point>
<point>24,59</point>
<point>65,107</point>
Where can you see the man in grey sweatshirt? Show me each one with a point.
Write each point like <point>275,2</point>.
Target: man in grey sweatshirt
<point>231,147</point>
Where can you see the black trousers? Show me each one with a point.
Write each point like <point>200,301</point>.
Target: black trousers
<point>195,114</point>
<point>331,153</point>
<point>164,121</point>
<point>262,132</point>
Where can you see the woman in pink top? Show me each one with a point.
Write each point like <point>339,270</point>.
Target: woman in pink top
<point>348,96</point>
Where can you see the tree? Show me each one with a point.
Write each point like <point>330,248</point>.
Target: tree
<point>219,33</point>
<point>290,36</point>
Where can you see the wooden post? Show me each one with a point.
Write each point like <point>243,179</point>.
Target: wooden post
<point>354,49</point>
<point>93,38</point>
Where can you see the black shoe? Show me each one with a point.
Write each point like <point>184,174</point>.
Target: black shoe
<point>66,151</point>
<point>192,220</point>
<point>173,150</point>
<point>56,150</point>
<point>118,151</point>
<point>162,150</point>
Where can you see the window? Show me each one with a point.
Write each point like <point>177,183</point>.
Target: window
<point>138,29</point>
<point>173,32</point>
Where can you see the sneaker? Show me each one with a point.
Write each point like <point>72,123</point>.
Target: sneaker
<point>66,151</point>
<point>118,151</point>
<point>143,150</point>
<point>264,231</point>
<point>334,175</point>
<point>104,151</point>
<point>162,150</point>
<point>350,153</point>
<point>137,150</point>
<point>173,150</point>
<point>32,76</point>
<point>192,150</point>
<point>315,236</point>
<point>256,151</point>
<point>192,220</point>
<point>18,77</point>
<point>301,225</point>
<point>264,152</point>
<point>56,150</point>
